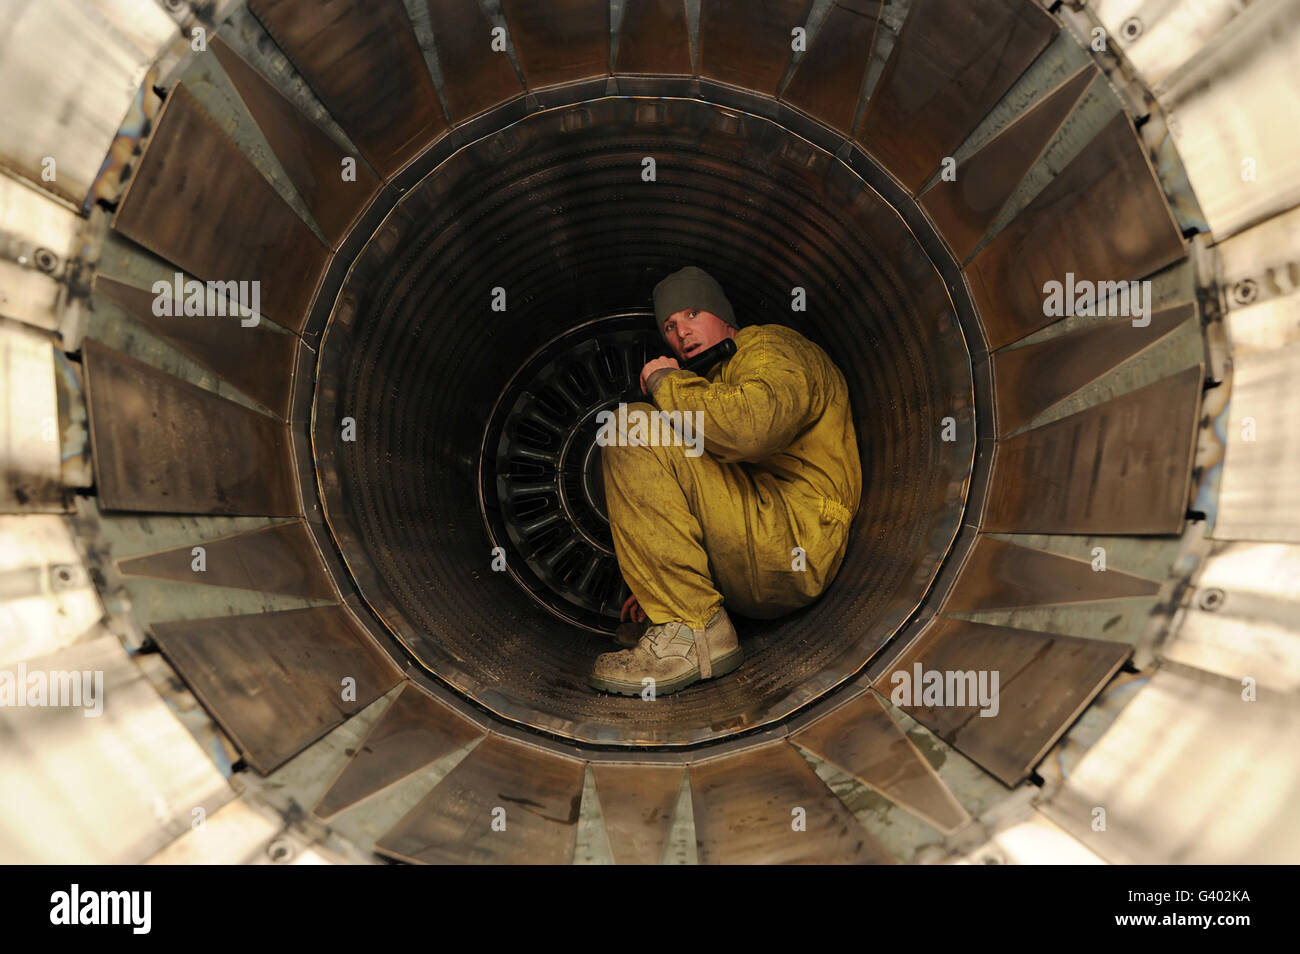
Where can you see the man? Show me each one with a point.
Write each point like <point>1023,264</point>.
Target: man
<point>759,521</point>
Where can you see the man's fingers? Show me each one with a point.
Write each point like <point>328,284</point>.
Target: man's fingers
<point>632,611</point>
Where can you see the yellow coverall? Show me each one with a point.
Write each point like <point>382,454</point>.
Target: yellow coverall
<point>780,470</point>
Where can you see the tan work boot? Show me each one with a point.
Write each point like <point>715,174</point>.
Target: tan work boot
<point>673,655</point>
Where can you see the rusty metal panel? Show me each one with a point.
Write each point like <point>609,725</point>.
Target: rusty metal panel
<point>1119,467</point>
<point>1031,379</point>
<point>951,64</point>
<point>1002,575</point>
<point>197,201</point>
<point>415,731</point>
<point>747,805</point>
<point>256,360</point>
<point>862,740</point>
<point>279,559</point>
<point>653,38</point>
<point>474,76</point>
<point>747,44</point>
<point>559,40</point>
<point>164,445</point>
<point>313,162</point>
<point>1043,682</point>
<point>363,61</point>
<point>828,81</point>
<point>963,208</point>
<point>1103,218</point>
<point>275,681</point>
<point>532,796</point>
<point>637,802</point>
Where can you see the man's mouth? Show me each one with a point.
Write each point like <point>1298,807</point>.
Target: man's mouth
<point>691,349</point>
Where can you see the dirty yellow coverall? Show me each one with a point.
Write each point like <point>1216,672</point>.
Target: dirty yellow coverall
<point>780,470</point>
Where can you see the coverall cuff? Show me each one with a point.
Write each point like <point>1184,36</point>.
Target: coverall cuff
<point>656,377</point>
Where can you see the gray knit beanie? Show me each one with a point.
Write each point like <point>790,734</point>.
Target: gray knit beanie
<point>690,287</point>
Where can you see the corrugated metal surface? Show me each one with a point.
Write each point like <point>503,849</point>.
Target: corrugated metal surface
<point>1231,115</point>
<point>69,70</point>
<point>1259,494</point>
<point>111,788</point>
<point>1243,616</point>
<point>31,472</point>
<point>31,221</point>
<point>1190,773</point>
<point>1158,38</point>
<point>47,599</point>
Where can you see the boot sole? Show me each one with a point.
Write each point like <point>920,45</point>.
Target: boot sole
<point>728,663</point>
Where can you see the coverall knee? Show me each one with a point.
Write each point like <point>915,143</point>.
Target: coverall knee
<point>692,532</point>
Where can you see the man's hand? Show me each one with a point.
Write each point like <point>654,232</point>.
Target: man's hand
<point>652,366</point>
<point>632,611</point>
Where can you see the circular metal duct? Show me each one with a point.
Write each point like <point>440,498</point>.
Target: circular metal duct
<point>919,170</point>
<point>552,216</point>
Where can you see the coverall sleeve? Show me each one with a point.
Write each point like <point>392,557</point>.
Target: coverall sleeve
<point>758,416</point>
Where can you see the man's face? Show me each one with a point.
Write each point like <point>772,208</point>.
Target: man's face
<point>693,330</point>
